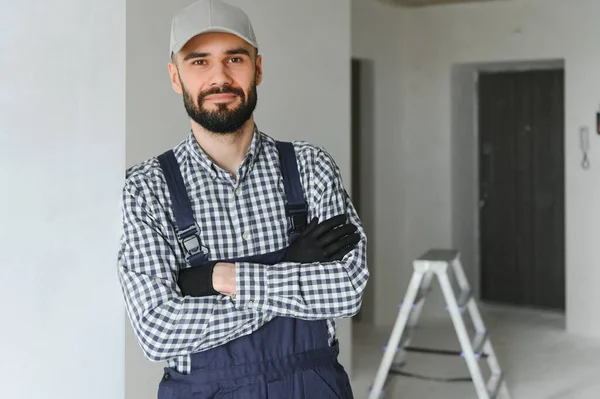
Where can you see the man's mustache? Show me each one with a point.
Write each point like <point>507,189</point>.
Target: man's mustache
<point>220,90</point>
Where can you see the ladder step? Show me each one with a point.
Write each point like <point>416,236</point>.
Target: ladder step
<point>463,300</point>
<point>439,255</point>
<point>421,294</point>
<point>406,336</point>
<point>498,380</point>
<point>397,367</point>
<point>478,343</point>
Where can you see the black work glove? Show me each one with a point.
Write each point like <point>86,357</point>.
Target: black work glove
<point>197,281</point>
<point>327,241</point>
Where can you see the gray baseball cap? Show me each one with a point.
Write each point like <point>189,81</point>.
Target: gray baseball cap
<point>205,16</point>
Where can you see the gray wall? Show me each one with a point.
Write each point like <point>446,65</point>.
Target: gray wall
<point>62,162</point>
<point>305,95</point>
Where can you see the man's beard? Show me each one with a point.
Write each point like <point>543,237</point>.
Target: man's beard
<point>222,120</point>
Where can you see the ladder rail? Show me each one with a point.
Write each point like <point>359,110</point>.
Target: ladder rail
<point>461,278</point>
<point>475,316</point>
<point>492,361</point>
<point>399,325</point>
<point>424,289</point>
<point>463,336</point>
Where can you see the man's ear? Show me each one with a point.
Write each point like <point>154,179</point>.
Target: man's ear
<point>175,80</point>
<point>259,70</point>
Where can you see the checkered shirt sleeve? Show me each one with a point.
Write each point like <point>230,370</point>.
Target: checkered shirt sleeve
<point>317,290</point>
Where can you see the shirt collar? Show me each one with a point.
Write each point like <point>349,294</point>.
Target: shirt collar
<point>214,170</point>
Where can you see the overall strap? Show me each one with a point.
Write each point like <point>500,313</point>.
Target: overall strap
<point>187,232</point>
<point>296,207</point>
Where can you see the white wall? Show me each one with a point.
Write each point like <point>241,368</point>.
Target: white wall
<point>62,163</point>
<point>305,95</point>
<point>437,38</point>
<point>377,40</point>
<point>379,36</point>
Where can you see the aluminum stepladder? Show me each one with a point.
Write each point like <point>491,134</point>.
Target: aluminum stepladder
<point>440,262</point>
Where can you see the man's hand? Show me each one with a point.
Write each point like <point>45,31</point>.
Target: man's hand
<point>328,241</point>
<point>223,278</point>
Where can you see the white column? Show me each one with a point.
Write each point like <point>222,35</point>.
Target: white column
<point>62,162</point>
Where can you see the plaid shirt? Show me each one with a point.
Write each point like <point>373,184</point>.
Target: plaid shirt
<point>236,217</point>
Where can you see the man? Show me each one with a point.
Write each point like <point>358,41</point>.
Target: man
<point>238,251</point>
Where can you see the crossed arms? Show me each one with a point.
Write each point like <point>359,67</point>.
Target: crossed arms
<point>168,324</point>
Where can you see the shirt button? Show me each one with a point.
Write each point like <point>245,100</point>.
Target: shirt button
<point>245,236</point>
<point>249,304</point>
<point>237,191</point>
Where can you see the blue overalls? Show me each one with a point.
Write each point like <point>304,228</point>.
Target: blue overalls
<point>287,358</point>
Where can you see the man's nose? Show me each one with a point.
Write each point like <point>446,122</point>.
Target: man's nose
<point>220,76</point>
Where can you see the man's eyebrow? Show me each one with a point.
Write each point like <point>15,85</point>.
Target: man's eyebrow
<point>234,51</point>
<point>194,54</point>
<point>240,50</point>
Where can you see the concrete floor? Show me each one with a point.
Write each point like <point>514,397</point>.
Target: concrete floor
<point>539,359</point>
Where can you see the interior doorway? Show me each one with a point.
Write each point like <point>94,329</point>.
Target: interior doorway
<point>520,123</point>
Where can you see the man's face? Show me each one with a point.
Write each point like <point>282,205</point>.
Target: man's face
<point>217,74</point>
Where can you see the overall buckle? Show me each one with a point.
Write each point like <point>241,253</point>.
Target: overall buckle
<point>297,217</point>
<point>190,240</point>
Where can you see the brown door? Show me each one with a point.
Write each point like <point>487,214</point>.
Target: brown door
<point>521,159</point>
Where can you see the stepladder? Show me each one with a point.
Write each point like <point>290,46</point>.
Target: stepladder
<point>475,346</point>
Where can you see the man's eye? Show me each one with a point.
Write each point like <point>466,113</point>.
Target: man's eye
<point>199,62</point>
<point>235,59</point>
